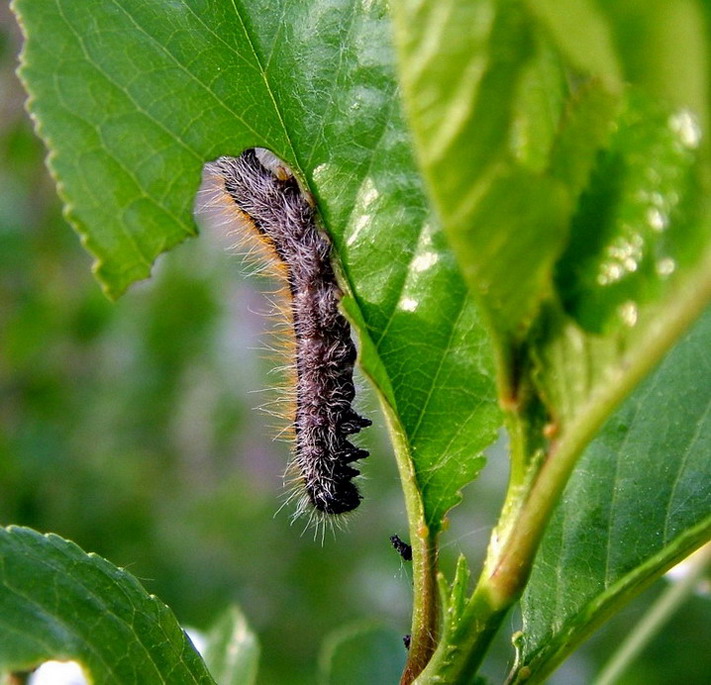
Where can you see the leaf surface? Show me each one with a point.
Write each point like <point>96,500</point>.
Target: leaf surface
<point>601,209</point>
<point>639,501</point>
<point>57,602</point>
<point>232,651</point>
<point>587,239</point>
<point>362,654</point>
<point>132,98</point>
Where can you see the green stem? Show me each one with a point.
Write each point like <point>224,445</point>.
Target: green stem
<point>458,658</point>
<point>659,613</point>
<point>425,608</point>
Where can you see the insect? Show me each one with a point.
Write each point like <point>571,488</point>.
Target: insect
<point>257,196</point>
<point>401,547</point>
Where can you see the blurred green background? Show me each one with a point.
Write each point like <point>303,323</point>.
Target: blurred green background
<point>131,428</point>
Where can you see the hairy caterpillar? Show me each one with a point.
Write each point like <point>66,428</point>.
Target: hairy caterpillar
<point>262,197</point>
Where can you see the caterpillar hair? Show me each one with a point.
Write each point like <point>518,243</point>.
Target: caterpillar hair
<point>260,195</point>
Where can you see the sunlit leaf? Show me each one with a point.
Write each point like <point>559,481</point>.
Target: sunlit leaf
<point>57,602</point>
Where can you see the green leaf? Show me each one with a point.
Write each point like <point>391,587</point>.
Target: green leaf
<point>587,265</point>
<point>454,598</point>
<point>588,244</point>
<point>362,654</point>
<point>132,98</point>
<point>232,652</point>
<point>635,271</point>
<point>638,220</point>
<point>579,28</point>
<point>616,192</point>
<point>638,502</point>
<point>57,602</point>
<point>661,46</point>
<point>468,71</point>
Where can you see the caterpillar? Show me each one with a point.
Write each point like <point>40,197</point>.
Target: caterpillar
<point>261,196</point>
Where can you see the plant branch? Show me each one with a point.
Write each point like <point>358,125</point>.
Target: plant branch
<point>425,607</point>
<point>506,570</point>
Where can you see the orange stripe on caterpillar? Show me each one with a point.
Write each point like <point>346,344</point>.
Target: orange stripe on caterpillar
<point>260,194</point>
